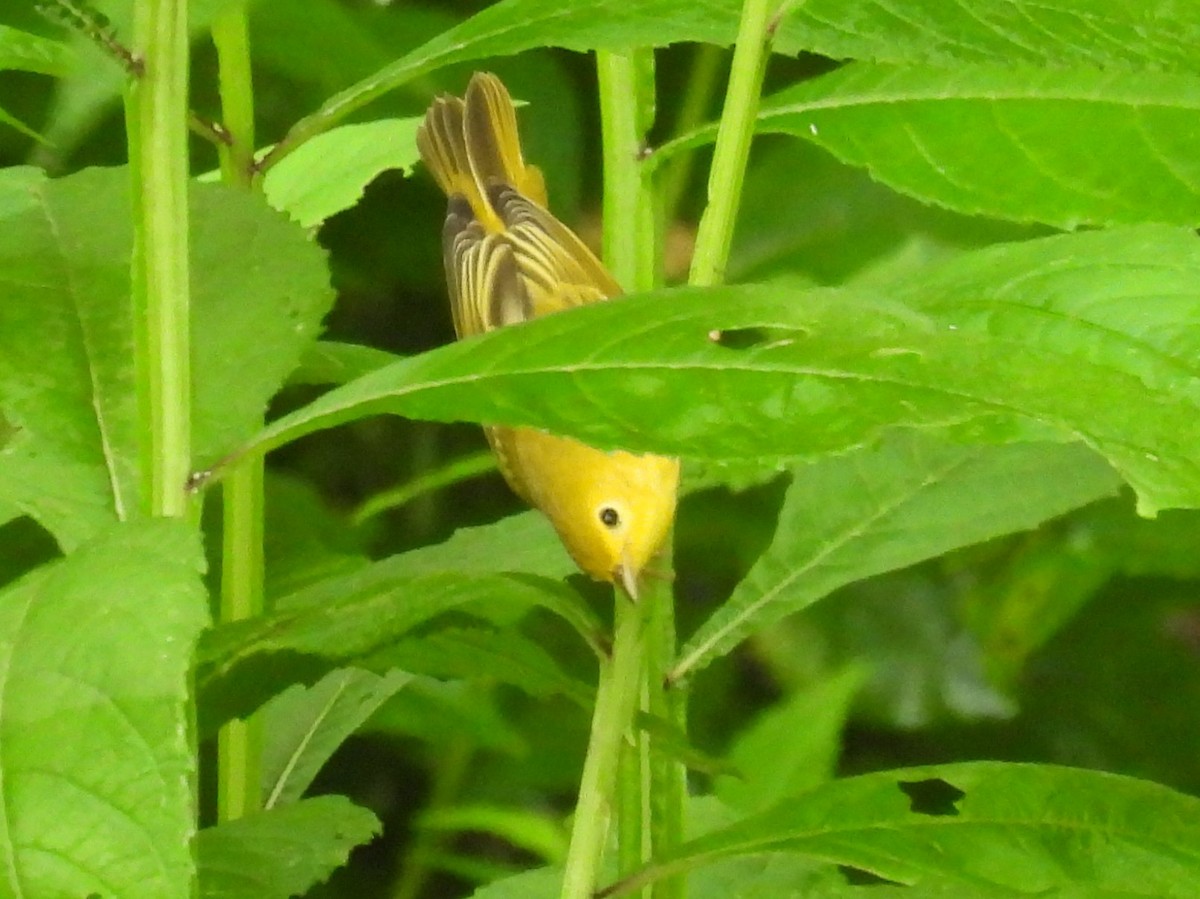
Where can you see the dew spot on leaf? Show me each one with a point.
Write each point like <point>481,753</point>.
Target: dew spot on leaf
<point>932,797</point>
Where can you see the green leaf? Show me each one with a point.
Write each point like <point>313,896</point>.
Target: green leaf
<point>283,852</point>
<point>67,382</point>
<point>1084,335</point>
<point>1064,147</point>
<point>304,726</point>
<point>328,174</point>
<point>95,759</point>
<point>260,288</point>
<point>25,52</point>
<point>331,362</point>
<point>439,714</point>
<point>850,517</point>
<point>66,376</point>
<point>532,831</point>
<point>1101,34</point>
<point>500,656</point>
<point>346,619</point>
<point>1058,33</point>
<point>1029,828</point>
<point>803,213</point>
<point>792,746</point>
<point>542,883</point>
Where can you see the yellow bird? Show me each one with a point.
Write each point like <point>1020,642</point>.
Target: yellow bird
<point>509,260</point>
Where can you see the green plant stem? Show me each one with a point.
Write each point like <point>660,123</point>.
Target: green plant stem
<point>632,252</point>
<point>715,234</point>
<point>158,155</point>
<point>667,776</point>
<point>706,67</point>
<point>626,112</point>
<point>231,37</point>
<point>616,699</point>
<point>239,742</point>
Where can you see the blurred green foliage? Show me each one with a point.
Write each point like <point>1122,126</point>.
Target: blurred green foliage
<point>1077,643</point>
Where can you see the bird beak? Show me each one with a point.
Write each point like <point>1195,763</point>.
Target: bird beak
<point>627,578</point>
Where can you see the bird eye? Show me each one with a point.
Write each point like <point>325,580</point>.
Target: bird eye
<point>609,517</point>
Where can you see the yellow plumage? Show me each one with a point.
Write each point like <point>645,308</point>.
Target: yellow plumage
<point>509,260</point>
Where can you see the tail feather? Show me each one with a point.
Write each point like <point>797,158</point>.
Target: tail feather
<point>472,145</point>
<point>493,142</point>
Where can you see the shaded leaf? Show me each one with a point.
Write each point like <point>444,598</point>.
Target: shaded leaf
<point>280,853</point>
<point>27,52</point>
<point>304,726</point>
<point>501,656</point>
<point>791,746</point>
<point>865,513</point>
<point>346,619</point>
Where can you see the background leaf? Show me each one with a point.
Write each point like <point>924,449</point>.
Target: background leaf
<point>870,512</point>
<point>280,853</point>
<point>304,726</point>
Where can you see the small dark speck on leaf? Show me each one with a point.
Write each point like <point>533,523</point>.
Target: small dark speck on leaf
<point>758,338</point>
<point>932,797</point>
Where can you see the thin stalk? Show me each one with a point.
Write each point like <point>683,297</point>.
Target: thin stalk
<point>158,155</point>
<point>231,37</point>
<point>667,776</point>
<point>715,233</point>
<point>706,68</point>
<point>616,699</point>
<point>239,743</point>
<point>633,253</point>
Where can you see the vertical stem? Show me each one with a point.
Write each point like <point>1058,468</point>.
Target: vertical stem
<point>239,743</point>
<point>158,154</point>
<point>616,698</point>
<point>631,248</point>
<point>649,807</point>
<point>706,67</point>
<point>715,233</point>
<point>231,37</point>
<point>668,777</point>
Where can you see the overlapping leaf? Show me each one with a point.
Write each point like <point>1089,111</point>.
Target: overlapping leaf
<point>847,518</point>
<point>1082,336</point>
